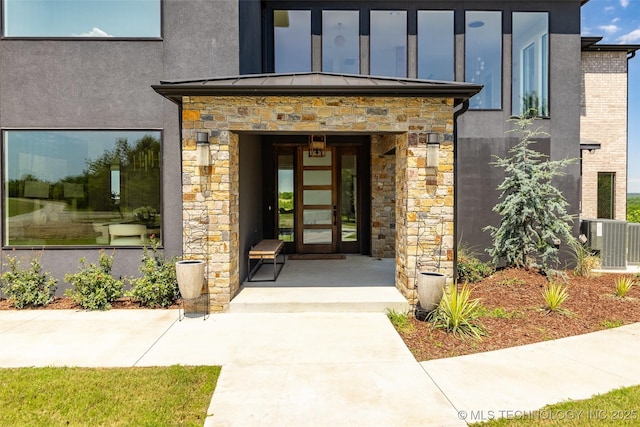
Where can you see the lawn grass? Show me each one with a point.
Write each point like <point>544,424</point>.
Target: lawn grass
<point>616,408</point>
<point>155,396</point>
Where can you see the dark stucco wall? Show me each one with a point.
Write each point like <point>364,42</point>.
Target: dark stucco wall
<point>482,134</point>
<point>106,84</point>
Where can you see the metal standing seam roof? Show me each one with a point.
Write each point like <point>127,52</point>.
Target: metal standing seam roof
<point>314,83</point>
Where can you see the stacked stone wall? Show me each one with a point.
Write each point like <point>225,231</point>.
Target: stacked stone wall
<point>383,196</point>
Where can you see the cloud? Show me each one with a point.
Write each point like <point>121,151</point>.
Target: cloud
<point>630,38</point>
<point>624,3</point>
<point>95,32</point>
<point>609,29</point>
<point>609,9</point>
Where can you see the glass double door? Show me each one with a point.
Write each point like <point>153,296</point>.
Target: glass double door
<point>318,199</point>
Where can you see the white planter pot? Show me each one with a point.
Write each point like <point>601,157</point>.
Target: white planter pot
<point>430,289</point>
<point>190,275</point>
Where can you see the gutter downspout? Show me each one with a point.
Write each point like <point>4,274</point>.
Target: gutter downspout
<point>630,56</point>
<point>456,115</point>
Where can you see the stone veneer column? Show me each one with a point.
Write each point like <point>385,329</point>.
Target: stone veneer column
<point>423,196</point>
<point>383,196</point>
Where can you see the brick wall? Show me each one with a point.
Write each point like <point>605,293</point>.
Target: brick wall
<point>422,196</point>
<point>604,121</point>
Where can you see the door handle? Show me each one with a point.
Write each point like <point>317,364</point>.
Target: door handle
<point>335,214</point>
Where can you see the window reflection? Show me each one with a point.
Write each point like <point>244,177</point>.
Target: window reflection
<point>349,198</point>
<point>285,197</point>
<point>340,41</point>
<point>71,187</point>
<point>530,63</point>
<point>388,41</point>
<point>435,45</point>
<point>292,40</point>
<point>483,57</point>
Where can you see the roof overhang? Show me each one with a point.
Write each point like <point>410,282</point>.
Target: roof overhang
<point>315,83</point>
<point>590,44</point>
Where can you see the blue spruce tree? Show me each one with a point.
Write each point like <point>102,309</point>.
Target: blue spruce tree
<point>533,211</point>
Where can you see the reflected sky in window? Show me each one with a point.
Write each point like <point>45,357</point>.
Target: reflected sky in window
<point>388,43</point>
<point>435,45</point>
<point>292,40</point>
<point>341,41</point>
<point>82,18</point>
<point>483,58</point>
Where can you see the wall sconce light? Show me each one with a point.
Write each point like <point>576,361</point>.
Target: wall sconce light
<point>202,146</point>
<point>317,145</point>
<point>433,149</point>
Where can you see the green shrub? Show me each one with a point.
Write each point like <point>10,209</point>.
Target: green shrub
<point>470,269</point>
<point>28,287</point>
<point>94,287</point>
<point>555,294</point>
<point>623,286</point>
<point>458,313</point>
<point>158,286</point>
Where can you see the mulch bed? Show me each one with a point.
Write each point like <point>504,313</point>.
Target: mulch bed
<point>517,294</point>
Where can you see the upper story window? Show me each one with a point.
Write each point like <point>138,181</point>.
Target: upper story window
<point>388,43</point>
<point>341,41</point>
<point>483,57</point>
<point>530,59</point>
<point>81,188</point>
<point>292,40</point>
<point>435,45</point>
<point>72,18</point>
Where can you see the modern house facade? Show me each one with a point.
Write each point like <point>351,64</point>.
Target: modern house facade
<point>193,122</point>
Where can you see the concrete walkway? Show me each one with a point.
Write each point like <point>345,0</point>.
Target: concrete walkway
<point>321,369</point>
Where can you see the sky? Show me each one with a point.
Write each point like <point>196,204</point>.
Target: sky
<point>81,18</point>
<point>618,21</point>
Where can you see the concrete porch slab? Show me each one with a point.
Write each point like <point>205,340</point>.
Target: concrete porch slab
<point>355,284</point>
<point>318,299</point>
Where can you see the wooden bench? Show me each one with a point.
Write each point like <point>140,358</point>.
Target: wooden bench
<point>267,249</point>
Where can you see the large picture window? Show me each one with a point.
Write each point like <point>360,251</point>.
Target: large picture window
<point>530,58</point>
<point>78,188</point>
<point>292,40</point>
<point>483,58</point>
<point>388,43</point>
<point>435,45</point>
<point>74,18</point>
<point>341,41</point>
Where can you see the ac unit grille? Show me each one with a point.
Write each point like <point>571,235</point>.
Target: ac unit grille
<point>633,243</point>
<point>610,238</point>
